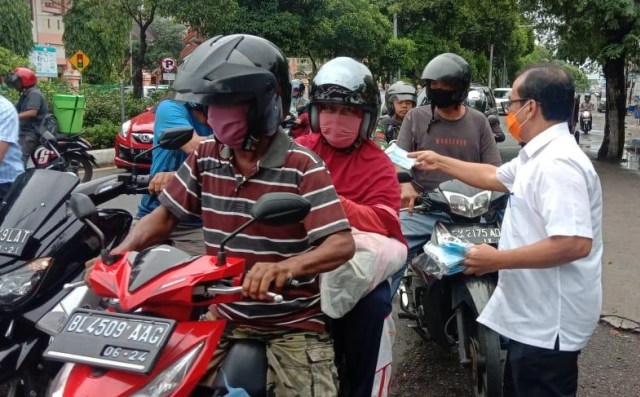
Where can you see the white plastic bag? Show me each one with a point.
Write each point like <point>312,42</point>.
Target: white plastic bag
<point>376,259</point>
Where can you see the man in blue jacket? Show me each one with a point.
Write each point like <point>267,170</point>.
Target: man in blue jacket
<point>172,114</point>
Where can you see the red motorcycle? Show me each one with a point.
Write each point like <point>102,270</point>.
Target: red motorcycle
<point>150,342</point>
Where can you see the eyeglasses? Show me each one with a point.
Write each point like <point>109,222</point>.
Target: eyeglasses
<point>510,102</point>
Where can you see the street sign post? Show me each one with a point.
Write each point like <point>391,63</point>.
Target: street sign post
<point>44,59</point>
<point>168,66</point>
<point>79,60</point>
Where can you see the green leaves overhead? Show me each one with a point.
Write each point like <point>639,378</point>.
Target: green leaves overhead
<point>15,25</point>
<point>101,30</point>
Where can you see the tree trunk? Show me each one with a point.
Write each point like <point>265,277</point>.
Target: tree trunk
<point>614,134</point>
<point>138,62</point>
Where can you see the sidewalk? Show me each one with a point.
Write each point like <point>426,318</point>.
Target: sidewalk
<point>621,229</point>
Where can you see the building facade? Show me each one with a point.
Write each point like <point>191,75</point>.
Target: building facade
<point>47,26</point>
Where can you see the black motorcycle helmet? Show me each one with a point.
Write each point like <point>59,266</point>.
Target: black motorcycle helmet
<point>587,97</point>
<point>344,81</point>
<point>452,70</point>
<point>399,91</point>
<point>238,68</point>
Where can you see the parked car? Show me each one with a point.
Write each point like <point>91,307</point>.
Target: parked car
<point>148,89</point>
<point>135,136</point>
<point>602,105</point>
<point>502,97</point>
<point>481,98</point>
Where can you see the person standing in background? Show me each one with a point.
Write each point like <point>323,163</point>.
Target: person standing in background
<point>10,153</point>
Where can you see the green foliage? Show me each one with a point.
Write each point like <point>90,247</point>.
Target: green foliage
<point>101,30</point>
<point>605,30</point>
<point>208,17</point>
<point>15,25</point>
<point>465,27</point>
<point>10,60</point>
<point>399,53</point>
<point>167,43</point>
<point>102,135</point>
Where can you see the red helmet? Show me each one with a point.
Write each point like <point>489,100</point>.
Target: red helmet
<point>26,77</point>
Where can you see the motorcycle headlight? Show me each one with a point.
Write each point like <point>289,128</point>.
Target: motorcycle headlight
<point>125,128</point>
<point>469,207</point>
<point>168,380</point>
<point>18,284</point>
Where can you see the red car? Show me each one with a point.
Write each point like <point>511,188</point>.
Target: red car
<point>135,136</point>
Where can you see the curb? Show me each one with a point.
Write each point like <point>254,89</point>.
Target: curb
<point>104,157</point>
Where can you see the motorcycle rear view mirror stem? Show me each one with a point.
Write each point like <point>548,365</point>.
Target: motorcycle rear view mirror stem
<point>171,138</point>
<point>274,209</point>
<point>83,208</point>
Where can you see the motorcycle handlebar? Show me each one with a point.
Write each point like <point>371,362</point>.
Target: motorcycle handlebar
<point>221,290</point>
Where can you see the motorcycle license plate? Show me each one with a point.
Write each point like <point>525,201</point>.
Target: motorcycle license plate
<point>476,234</point>
<point>13,241</point>
<point>111,340</point>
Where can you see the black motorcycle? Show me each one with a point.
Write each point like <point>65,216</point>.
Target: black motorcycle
<point>43,246</point>
<point>445,308</point>
<point>67,153</point>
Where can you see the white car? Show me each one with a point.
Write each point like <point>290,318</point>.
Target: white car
<point>502,96</point>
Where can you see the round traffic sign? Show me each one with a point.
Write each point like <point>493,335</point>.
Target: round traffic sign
<point>168,64</point>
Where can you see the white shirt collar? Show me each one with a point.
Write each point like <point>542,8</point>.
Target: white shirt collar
<point>542,139</point>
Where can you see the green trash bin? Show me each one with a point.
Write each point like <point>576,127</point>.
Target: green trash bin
<point>69,112</point>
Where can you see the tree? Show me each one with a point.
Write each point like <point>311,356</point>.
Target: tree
<point>167,41</point>
<point>207,17</point>
<point>466,27</point>
<point>10,60</point>
<point>143,13</point>
<point>541,54</point>
<point>15,26</point>
<point>606,30</point>
<point>96,28</point>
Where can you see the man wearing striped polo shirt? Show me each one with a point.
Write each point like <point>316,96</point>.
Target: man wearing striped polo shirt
<point>244,82</point>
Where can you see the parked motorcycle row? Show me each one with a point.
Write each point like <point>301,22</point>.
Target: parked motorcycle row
<point>137,332</point>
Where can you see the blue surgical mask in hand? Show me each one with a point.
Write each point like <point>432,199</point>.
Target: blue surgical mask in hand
<point>399,157</point>
<point>443,260</point>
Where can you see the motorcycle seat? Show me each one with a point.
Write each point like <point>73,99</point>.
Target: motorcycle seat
<point>245,367</point>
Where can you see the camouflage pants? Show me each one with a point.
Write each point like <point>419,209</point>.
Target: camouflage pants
<point>300,364</point>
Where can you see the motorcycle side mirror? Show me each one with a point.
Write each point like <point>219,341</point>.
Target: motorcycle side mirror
<point>271,209</point>
<point>83,208</point>
<point>280,209</point>
<point>171,138</point>
<point>47,138</point>
<point>175,138</point>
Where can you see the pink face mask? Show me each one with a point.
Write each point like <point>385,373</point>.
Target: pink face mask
<point>339,130</point>
<point>229,124</point>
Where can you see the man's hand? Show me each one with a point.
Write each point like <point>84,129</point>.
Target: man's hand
<point>481,259</point>
<point>88,266</point>
<point>258,280</point>
<point>159,181</point>
<point>408,194</point>
<point>425,160</point>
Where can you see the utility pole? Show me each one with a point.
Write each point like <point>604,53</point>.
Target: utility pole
<point>490,65</point>
<point>395,35</point>
<point>504,71</point>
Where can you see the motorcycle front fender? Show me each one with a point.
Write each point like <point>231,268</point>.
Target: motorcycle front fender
<point>474,290</point>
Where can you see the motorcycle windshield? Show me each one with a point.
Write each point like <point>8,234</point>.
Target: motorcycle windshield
<point>35,197</point>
